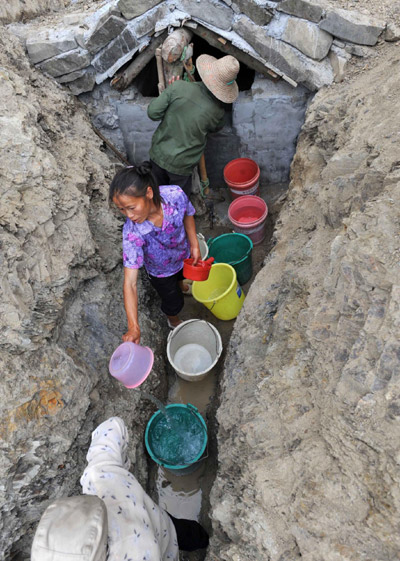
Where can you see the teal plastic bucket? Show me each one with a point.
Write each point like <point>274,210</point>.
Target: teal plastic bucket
<point>236,250</point>
<point>178,441</point>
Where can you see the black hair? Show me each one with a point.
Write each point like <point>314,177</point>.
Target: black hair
<point>133,181</point>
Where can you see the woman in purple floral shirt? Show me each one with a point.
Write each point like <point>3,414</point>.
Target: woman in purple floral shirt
<point>159,233</point>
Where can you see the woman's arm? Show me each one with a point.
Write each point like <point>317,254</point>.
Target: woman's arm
<point>190,228</point>
<point>131,305</point>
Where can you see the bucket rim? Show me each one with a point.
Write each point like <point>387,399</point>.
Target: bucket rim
<point>144,375</point>
<point>215,300</point>
<point>238,202</point>
<point>238,261</point>
<point>241,185</point>
<point>181,327</point>
<point>199,417</point>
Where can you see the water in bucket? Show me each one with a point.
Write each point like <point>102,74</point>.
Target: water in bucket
<point>193,358</point>
<point>182,445</point>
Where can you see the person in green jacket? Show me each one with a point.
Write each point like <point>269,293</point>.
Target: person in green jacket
<point>188,111</point>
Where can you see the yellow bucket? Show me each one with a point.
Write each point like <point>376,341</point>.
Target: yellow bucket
<point>220,293</point>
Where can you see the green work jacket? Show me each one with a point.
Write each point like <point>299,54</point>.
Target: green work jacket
<point>188,112</point>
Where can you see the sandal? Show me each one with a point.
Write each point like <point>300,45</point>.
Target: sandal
<point>172,326</point>
<point>188,284</point>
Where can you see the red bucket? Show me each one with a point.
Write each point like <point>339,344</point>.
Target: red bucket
<point>198,272</point>
<point>248,215</point>
<point>242,177</point>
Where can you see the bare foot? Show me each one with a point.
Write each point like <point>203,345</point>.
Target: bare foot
<point>173,321</point>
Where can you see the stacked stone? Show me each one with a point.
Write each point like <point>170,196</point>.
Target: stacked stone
<point>303,41</point>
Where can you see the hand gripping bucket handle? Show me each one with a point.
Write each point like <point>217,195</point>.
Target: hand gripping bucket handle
<point>194,411</point>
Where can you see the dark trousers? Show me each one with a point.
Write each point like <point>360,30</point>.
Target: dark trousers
<point>190,534</point>
<point>164,177</point>
<point>170,292</point>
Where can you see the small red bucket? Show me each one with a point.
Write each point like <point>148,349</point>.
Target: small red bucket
<point>242,177</point>
<point>198,272</point>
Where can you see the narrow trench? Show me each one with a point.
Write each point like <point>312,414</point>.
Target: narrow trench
<point>187,496</point>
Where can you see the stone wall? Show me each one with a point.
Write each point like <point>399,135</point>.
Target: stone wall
<point>309,434</point>
<point>264,125</point>
<point>294,38</point>
<point>61,310</point>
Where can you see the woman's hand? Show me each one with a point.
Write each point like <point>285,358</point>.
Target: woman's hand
<point>132,335</point>
<point>195,253</point>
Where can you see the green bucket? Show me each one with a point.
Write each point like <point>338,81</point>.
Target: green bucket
<point>234,249</point>
<point>177,442</point>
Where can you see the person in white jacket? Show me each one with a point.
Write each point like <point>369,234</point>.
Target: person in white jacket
<point>119,522</point>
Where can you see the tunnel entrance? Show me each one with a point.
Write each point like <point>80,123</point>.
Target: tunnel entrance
<point>147,80</point>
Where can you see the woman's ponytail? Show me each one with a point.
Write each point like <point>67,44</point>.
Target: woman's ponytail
<point>133,181</point>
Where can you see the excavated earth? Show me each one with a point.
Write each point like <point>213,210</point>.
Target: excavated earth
<point>308,424</point>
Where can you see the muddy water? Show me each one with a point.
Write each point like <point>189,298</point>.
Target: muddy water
<point>187,496</point>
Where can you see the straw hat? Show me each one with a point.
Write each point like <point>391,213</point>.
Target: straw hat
<point>219,76</point>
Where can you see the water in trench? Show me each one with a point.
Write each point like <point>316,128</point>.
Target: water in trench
<point>187,496</point>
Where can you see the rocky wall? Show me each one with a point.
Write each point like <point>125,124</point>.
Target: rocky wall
<point>301,41</point>
<point>61,310</point>
<point>309,433</point>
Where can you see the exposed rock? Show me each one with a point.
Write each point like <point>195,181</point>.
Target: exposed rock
<point>49,43</point>
<point>256,11</point>
<point>71,76</point>
<point>146,24</point>
<point>66,62</point>
<point>312,11</point>
<point>339,59</point>
<point>125,44</point>
<point>307,37</point>
<point>308,424</point>
<point>61,311</point>
<point>352,26</point>
<point>212,12</point>
<point>132,8</point>
<point>104,32</point>
<point>16,10</point>
<point>311,74</point>
<point>84,83</point>
<point>392,32</point>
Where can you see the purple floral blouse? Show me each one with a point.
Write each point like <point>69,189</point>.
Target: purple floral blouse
<point>160,250</point>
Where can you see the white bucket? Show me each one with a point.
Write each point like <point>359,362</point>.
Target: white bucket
<point>203,247</point>
<point>193,349</point>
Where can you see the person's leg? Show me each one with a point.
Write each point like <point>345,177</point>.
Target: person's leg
<point>171,296</point>
<point>160,174</point>
<point>183,181</point>
<point>190,534</point>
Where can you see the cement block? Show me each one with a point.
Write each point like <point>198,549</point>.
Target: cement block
<point>104,32</point>
<point>137,130</point>
<point>352,26</point>
<point>84,83</point>
<point>311,11</point>
<point>45,44</point>
<point>312,74</point>
<point>122,45</point>
<point>255,11</point>
<point>132,8</point>
<point>212,12</point>
<point>308,38</point>
<point>267,121</point>
<point>66,62</point>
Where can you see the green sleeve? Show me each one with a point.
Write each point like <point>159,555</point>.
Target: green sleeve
<point>157,108</point>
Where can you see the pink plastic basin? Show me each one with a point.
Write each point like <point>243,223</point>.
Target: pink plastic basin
<point>131,364</point>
